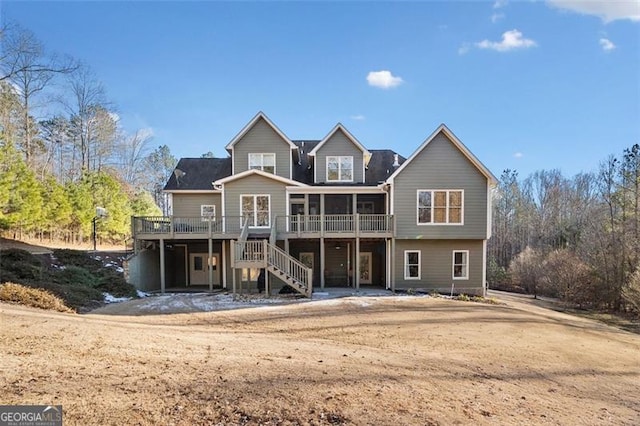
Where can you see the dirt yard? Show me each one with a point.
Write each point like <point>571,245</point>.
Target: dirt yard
<point>364,361</point>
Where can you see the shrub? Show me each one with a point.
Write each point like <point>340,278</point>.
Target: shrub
<point>527,269</point>
<point>78,258</point>
<point>34,297</point>
<point>631,291</point>
<point>16,264</point>
<point>75,275</point>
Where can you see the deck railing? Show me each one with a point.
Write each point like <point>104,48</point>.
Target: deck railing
<point>157,225</point>
<point>331,224</point>
<point>336,224</point>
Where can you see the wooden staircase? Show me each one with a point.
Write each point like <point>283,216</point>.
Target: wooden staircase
<point>263,254</point>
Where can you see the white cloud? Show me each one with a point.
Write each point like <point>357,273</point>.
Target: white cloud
<point>496,17</point>
<point>511,40</point>
<point>383,79</point>
<point>606,10</point>
<point>463,49</point>
<point>518,155</point>
<point>358,117</point>
<point>500,3</point>
<point>607,45</point>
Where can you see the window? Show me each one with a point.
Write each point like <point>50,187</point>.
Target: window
<point>255,209</point>
<point>440,207</point>
<point>264,162</point>
<point>412,264</point>
<point>208,212</point>
<point>461,264</point>
<point>339,168</point>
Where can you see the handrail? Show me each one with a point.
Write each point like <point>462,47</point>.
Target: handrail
<point>274,231</point>
<point>186,225</point>
<point>293,268</point>
<point>245,232</point>
<point>335,223</point>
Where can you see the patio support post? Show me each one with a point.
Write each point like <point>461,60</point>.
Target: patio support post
<point>233,278</point>
<point>393,265</point>
<point>162,272</point>
<point>356,269</point>
<point>223,265</point>
<point>210,263</point>
<point>322,263</point>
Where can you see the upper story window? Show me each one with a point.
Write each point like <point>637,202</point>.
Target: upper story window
<point>263,161</point>
<point>440,207</point>
<point>256,209</point>
<point>339,168</point>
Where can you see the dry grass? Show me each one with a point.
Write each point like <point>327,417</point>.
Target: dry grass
<point>34,297</point>
<point>363,361</point>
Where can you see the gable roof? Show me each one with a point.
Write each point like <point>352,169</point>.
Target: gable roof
<point>254,120</point>
<point>259,173</point>
<point>458,144</point>
<point>349,136</point>
<point>196,174</point>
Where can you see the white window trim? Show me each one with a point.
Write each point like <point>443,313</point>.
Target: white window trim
<point>261,154</point>
<point>406,270</point>
<point>207,217</point>
<point>339,157</point>
<point>466,265</point>
<point>432,209</point>
<point>255,216</point>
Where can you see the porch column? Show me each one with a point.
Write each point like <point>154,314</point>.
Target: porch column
<point>387,250</point>
<point>233,278</point>
<point>223,265</point>
<point>393,265</point>
<point>354,204</point>
<point>210,264</point>
<point>162,272</point>
<point>322,263</point>
<point>356,269</point>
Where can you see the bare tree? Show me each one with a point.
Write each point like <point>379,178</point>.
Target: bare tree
<point>132,153</point>
<point>88,100</point>
<point>30,70</point>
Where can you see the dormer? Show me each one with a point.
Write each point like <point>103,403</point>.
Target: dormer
<point>262,146</point>
<point>339,158</point>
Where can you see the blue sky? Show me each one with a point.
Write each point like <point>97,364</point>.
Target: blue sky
<point>526,85</point>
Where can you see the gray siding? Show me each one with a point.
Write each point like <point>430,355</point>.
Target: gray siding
<point>338,144</point>
<point>441,166</point>
<point>436,265</point>
<point>143,270</point>
<point>261,138</point>
<point>188,205</point>
<point>254,185</point>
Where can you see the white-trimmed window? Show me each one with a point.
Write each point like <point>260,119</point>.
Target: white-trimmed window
<point>208,212</point>
<point>263,161</point>
<point>339,168</point>
<point>256,209</point>
<point>412,264</point>
<point>440,207</point>
<point>460,265</point>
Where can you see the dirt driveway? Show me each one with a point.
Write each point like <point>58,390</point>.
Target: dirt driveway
<point>376,360</point>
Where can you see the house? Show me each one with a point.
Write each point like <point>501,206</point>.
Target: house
<point>320,213</point>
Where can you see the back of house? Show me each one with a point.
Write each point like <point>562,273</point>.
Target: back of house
<point>312,214</point>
